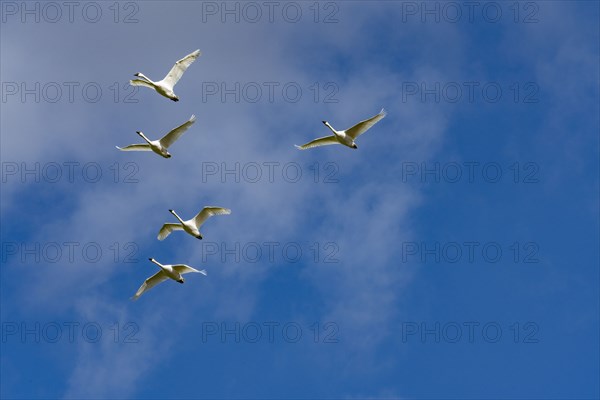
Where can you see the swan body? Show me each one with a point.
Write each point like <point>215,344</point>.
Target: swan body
<point>166,272</point>
<point>191,226</point>
<point>165,86</point>
<point>346,137</point>
<point>160,146</point>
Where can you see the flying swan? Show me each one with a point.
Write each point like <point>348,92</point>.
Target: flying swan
<point>160,146</point>
<point>166,272</point>
<point>165,87</point>
<point>346,137</point>
<point>193,225</point>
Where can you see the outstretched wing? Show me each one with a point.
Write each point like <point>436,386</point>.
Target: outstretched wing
<point>324,141</point>
<point>363,126</point>
<point>167,229</point>
<point>179,68</point>
<point>172,136</point>
<point>140,82</point>
<point>185,269</point>
<point>135,147</point>
<point>149,283</point>
<point>208,212</point>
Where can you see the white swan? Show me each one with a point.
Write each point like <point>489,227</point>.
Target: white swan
<point>193,225</point>
<point>165,87</point>
<point>160,146</point>
<point>166,272</point>
<point>346,137</point>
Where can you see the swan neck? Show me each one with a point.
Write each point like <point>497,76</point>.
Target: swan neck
<point>144,137</point>
<point>140,75</point>
<point>177,216</point>
<point>331,127</point>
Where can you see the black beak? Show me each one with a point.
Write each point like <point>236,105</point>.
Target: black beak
<point>325,122</point>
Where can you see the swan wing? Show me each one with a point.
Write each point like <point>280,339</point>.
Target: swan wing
<point>135,147</point>
<point>149,283</point>
<point>167,229</point>
<point>364,126</point>
<point>324,141</point>
<point>172,136</point>
<point>179,68</point>
<point>140,82</point>
<point>186,269</point>
<point>208,212</point>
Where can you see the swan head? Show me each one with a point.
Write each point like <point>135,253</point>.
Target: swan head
<point>199,237</point>
<point>181,280</point>
<point>324,122</point>
<point>167,155</point>
<point>175,98</point>
<point>137,74</point>
<point>354,146</point>
<point>151,259</point>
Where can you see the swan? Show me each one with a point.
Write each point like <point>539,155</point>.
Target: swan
<point>160,146</point>
<point>346,137</point>
<point>193,225</point>
<point>166,272</point>
<point>165,87</point>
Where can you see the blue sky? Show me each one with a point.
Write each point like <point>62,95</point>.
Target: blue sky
<point>453,255</point>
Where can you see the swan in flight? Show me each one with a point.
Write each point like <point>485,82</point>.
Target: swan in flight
<point>165,87</point>
<point>346,137</point>
<point>160,146</point>
<point>193,225</point>
<point>166,272</point>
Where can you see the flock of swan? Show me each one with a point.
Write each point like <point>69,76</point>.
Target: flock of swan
<point>192,226</point>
